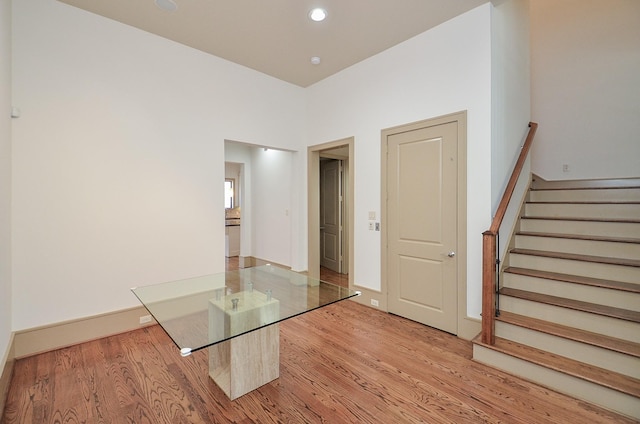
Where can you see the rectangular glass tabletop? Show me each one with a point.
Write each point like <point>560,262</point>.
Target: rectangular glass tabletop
<point>199,312</point>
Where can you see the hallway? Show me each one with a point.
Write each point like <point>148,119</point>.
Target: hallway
<point>327,275</point>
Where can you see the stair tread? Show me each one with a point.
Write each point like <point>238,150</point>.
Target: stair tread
<point>580,237</point>
<point>594,339</point>
<point>576,279</point>
<point>578,305</point>
<point>578,257</point>
<point>606,378</point>
<point>590,219</point>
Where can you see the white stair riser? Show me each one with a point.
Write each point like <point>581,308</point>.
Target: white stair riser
<point>581,247</point>
<point>599,211</point>
<point>586,184</point>
<point>594,195</point>
<point>622,273</point>
<point>576,387</point>
<point>586,353</point>
<point>600,324</point>
<point>593,228</point>
<point>584,293</point>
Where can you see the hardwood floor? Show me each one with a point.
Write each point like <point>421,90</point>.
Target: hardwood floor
<point>344,363</point>
<point>231,263</point>
<point>325,273</point>
<point>334,277</point>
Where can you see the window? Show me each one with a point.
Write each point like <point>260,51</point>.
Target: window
<point>229,193</point>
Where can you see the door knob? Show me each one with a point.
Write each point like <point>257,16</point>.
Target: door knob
<point>451,254</point>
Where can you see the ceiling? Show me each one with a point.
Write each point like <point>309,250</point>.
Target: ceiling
<point>277,37</point>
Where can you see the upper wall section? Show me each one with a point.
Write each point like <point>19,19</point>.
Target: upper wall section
<point>510,90</point>
<point>118,158</point>
<point>585,58</point>
<point>441,71</point>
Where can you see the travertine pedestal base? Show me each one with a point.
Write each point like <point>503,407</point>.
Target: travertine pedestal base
<point>246,362</point>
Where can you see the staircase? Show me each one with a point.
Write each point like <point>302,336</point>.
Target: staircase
<point>570,293</point>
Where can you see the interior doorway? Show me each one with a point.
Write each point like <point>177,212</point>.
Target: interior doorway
<point>330,209</point>
<point>264,185</point>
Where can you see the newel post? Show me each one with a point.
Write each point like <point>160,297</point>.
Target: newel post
<point>488,287</point>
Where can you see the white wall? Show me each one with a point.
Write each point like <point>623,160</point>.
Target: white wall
<point>271,199</point>
<point>510,90</point>
<point>586,88</point>
<point>444,70</point>
<point>5,178</point>
<point>119,154</point>
<point>510,105</point>
<point>268,229</point>
<point>119,158</point>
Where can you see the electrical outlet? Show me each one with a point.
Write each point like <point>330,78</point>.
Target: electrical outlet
<point>565,168</point>
<point>371,226</point>
<point>374,302</point>
<point>377,226</point>
<point>145,319</point>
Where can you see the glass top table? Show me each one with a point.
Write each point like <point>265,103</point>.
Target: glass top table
<point>201,312</point>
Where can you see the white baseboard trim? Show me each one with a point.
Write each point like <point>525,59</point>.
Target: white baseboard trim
<point>246,261</point>
<point>55,336</point>
<point>67,333</point>
<point>371,298</point>
<point>252,261</point>
<point>468,327</point>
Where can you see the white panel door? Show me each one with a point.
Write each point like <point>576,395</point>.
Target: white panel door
<point>422,225</point>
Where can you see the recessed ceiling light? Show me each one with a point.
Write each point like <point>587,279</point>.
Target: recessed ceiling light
<point>318,14</point>
<point>168,5</point>
<point>315,60</point>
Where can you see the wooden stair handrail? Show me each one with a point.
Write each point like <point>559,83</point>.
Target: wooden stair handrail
<point>489,243</point>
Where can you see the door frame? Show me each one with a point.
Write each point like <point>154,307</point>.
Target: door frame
<point>461,253</point>
<point>313,206</point>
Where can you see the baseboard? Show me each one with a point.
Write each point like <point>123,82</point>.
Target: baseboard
<point>371,298</point>
<point>7,373</point>
<point>55,336</point>
<point>468,327</point>
<point>252,261</point>
<point>246,261</point>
